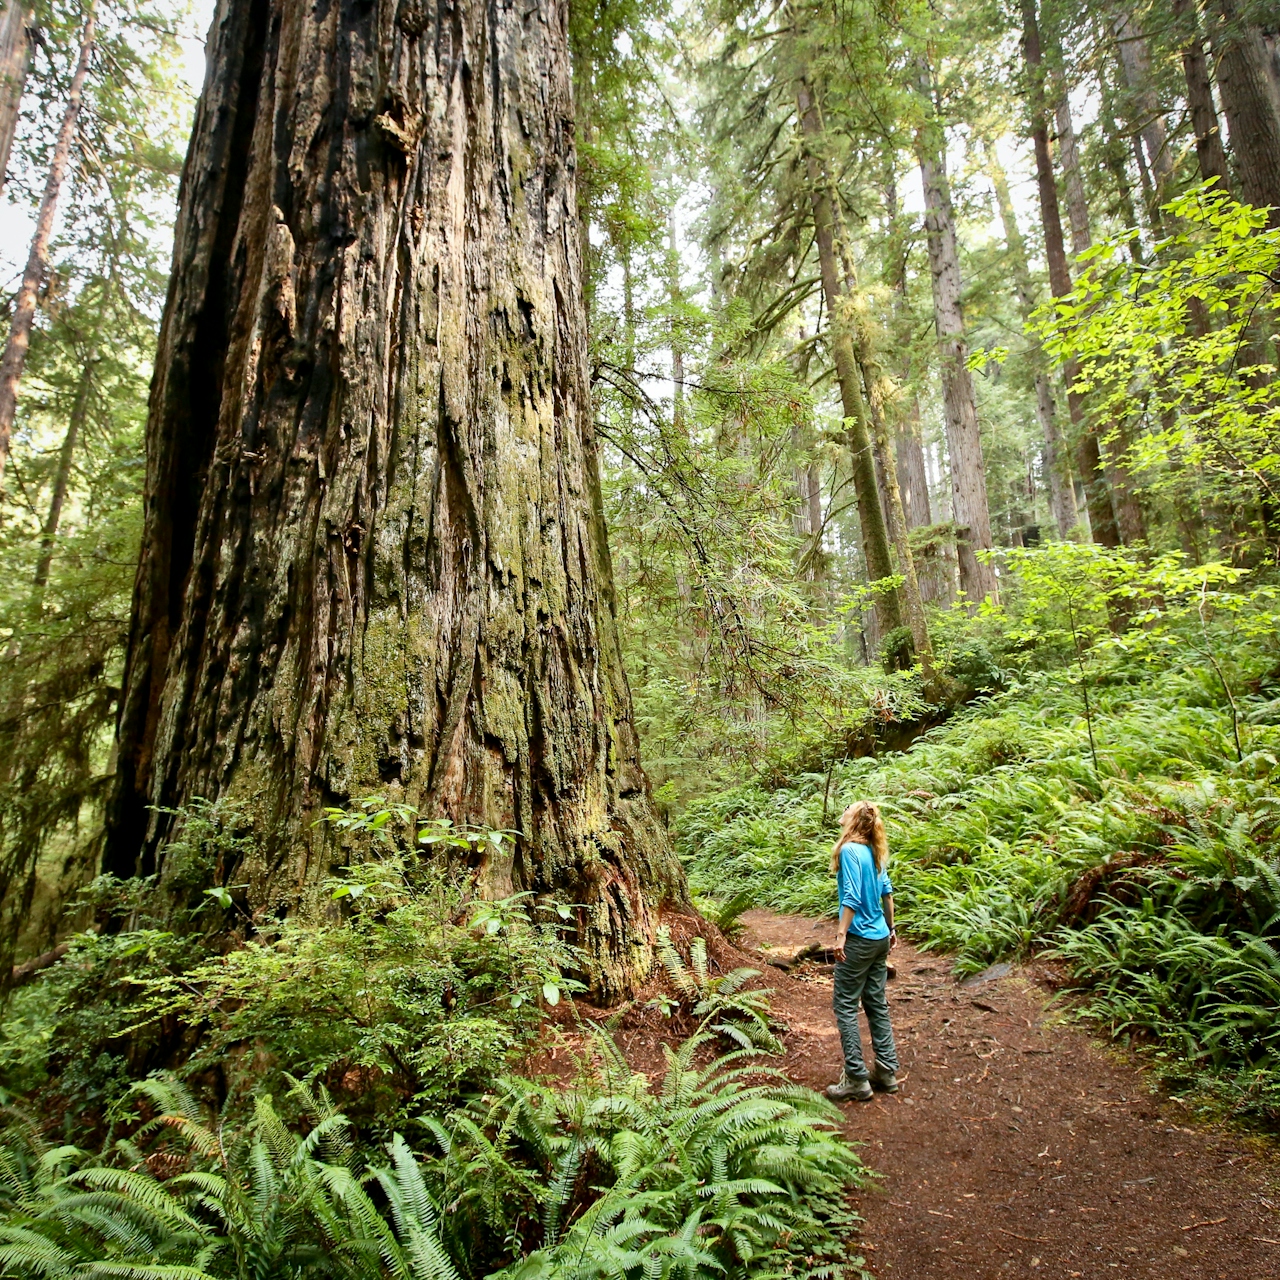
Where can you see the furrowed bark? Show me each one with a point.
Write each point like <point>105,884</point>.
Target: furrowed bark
<point>1210,155</point>
<point>374,554</point>
<point>875,536</point>
<point>15,62</point>
<point>14,359</point>
<point>1062,494</point>
<point>964,441</point>
<point>1248,102</point>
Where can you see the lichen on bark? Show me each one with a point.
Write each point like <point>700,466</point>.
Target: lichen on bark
<point>374,555</point>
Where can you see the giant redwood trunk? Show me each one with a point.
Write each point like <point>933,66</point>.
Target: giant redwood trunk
<point>374,556</point>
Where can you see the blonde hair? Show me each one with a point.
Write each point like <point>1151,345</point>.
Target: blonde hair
<point>861,823</point>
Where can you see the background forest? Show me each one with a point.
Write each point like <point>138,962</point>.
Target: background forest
<point>933,359</point>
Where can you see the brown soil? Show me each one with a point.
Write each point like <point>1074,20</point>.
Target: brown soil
<point>1019,1146</point>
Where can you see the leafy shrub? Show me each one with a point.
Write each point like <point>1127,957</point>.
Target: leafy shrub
<point>408,990</point>
<point>418,995</point>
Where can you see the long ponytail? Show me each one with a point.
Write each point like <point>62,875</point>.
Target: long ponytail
<point>861,823</point>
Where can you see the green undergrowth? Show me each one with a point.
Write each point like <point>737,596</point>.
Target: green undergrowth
<point>722,1170</point>
<point>1154,878</point>
<point>351,1095</point>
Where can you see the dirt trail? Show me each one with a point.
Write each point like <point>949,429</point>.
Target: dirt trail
<point>1019,1147</point>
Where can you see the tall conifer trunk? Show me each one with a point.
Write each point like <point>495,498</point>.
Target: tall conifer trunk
<point>1210,153</point>
<point>1062,494</point>
<point>62,478</point>
<point>15,61</point>
<point>14,359</point>
<point>1102,520</point>
<point>1248,101</point>
<point>374,556</point>
<point>1057,90</point>
<point>913,477</point>
<point>1135,65</point>
<point>960,408</point>
<point>871,516</point>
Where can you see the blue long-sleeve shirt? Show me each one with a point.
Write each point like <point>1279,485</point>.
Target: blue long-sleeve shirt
<point>861,887</point>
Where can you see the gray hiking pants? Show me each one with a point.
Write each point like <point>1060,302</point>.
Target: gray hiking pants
<point>860,979</point>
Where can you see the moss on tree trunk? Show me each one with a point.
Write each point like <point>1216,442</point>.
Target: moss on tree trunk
<point>374,554</point>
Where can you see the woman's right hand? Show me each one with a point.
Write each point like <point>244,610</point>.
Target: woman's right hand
<point>838,949</point>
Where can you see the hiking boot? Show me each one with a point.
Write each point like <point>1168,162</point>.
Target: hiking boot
<point>847,1088</point>
<point>883,1080</point>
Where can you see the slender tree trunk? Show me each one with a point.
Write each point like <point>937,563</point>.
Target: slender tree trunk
<point>14,358</point>
<point>909,447</point>
<point>875,536</point>
<point>675,300</point>
<point>814,492</point>
<point>1115,157</point>
<point>912,475</point>
<point>1072,183</point>
<point>1062,494</point>
<point>15,62</point>
<point>873,383</point>
<point>887,468</point>
<point>628,333</point>
<point>1135,65</point>
<point>1253,122</point>
<point>62,479</point>
<point>801,515</point>
<point>1128,511</point>
<point>809,519</point>
<point>1210,153</point>
<point>1102,521</point>
<point>1150,197</point>
<point>1058,91</point>
<point>374,556</point>
<point>964,441</point>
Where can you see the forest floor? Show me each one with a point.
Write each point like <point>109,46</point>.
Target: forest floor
<point>1018,1145</point>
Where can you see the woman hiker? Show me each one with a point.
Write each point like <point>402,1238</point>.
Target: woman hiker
<point>864,938</point>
